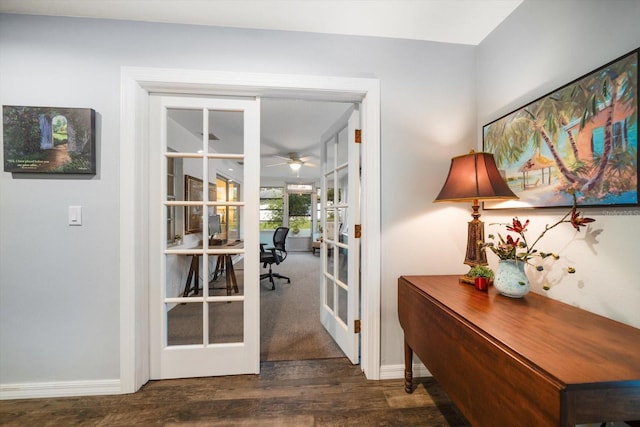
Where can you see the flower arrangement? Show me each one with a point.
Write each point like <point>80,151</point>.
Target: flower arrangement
<point>519,249</point>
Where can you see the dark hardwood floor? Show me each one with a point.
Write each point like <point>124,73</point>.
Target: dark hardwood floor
<point>326,392</point>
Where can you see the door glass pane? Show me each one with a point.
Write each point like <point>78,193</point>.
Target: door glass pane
<point>226,322</point>
<point>343,253</point>
<point>329,247</point>
<point>329,231</point>
<point>343,186</point>
<point>342,304</point>
<point>178,138</point>
<point>234,221</point>
<point>183,276</point>
<point>184,323</point>
<point>222,194</point>
<point>328,294</point>
<point>177,267</point>
<point>226,132</point>
<point>330,190</point>
<point>331,155</point>
<point>343,147</point>
<point>343,226</point>
<point>343,265</point>
<point>226,274</point>
<point>318,206</point>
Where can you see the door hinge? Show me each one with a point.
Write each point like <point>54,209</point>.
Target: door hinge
<point>356,326</point>
<point>358,136</point>
<point>358,231</point>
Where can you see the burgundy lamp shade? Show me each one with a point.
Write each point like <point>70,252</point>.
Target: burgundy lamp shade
<point>474,176</point>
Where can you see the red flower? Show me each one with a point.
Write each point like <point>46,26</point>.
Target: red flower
<point>517,226</point>
<point>511,242</point>
<point>578,221</point>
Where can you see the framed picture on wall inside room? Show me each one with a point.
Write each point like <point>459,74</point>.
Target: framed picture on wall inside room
<point>193,190</point>
<point>52,140</point>
<point>583,135</point>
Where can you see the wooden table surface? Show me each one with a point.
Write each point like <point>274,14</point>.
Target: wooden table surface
<point>572,349</point>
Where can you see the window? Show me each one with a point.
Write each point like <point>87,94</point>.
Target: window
<point>619,137</point>
<point>299,219</point>
<point>172,236</point>
<point>271,207</point>
<point>318,209</point>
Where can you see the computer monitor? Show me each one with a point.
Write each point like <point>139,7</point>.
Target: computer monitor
<point>214,225</point>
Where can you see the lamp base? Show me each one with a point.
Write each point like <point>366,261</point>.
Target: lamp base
<point>475,237</point>
<point>466,280</point>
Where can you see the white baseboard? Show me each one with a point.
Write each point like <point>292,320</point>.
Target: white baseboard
<point>392,372</point>
<point>59,389</point>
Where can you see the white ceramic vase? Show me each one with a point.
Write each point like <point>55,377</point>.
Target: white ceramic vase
<point>510,279</point>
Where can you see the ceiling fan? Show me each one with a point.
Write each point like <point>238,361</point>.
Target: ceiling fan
<point>295,161</point>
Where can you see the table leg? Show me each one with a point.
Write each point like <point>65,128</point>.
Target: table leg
<point>232,273</point>
<point>193,271</point>
<point>408,368</point>
<point>227,276</point>
<point>219,267</point>
<point>196,285</point>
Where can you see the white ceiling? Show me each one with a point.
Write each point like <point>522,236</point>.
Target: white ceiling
<point>297,125</point>
<point>450,21</point>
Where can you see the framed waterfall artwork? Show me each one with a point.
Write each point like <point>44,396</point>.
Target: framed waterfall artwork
<point>583,135</point>
<point>51,140</point>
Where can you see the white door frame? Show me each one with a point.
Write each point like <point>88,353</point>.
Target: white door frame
<point>136,84</point>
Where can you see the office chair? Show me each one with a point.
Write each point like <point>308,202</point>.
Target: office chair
<point>274,255</point>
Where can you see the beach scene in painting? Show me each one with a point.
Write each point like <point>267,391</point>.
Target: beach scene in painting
<point>48,139</point>
<point>582,136</point>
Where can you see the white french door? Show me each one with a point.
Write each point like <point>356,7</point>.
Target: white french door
<point>340,220</point>
<point>203,218</point>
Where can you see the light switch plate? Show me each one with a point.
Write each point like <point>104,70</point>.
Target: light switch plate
<point>75,215</point>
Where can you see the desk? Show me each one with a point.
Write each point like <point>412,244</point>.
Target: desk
<point>528,362</point>
<point>224,262</point>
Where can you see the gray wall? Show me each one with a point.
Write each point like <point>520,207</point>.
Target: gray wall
<point>565,40</point>
<point>59,284</point>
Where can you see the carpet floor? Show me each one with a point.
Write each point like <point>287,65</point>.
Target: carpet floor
<point>290,327</point>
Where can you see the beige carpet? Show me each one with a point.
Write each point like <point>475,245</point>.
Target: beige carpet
<point>290,327</point>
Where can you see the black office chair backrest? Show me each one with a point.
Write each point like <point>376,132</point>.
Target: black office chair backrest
<point>280,238</point>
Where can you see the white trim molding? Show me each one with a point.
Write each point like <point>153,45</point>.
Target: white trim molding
<point>59,389</point>
<point>136,85</point>
<point>394,372</point>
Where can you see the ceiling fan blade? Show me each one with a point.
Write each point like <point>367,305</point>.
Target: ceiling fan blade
<point>311,164</point>
<point>282,157</point>
<point>277,164</point>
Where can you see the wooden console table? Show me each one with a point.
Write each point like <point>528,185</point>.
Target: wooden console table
<point>527,362</point>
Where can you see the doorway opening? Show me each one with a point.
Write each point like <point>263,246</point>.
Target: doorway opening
<point>137,84</point>
<point>293,174</point>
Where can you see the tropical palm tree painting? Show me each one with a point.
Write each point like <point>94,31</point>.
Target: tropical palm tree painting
<point>583,135</point>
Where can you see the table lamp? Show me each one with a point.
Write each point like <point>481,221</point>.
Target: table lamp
<point>474,177</point>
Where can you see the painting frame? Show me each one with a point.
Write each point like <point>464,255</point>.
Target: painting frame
<point>49,140</point>
<point>193,192</point>
<point>583,135</point>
